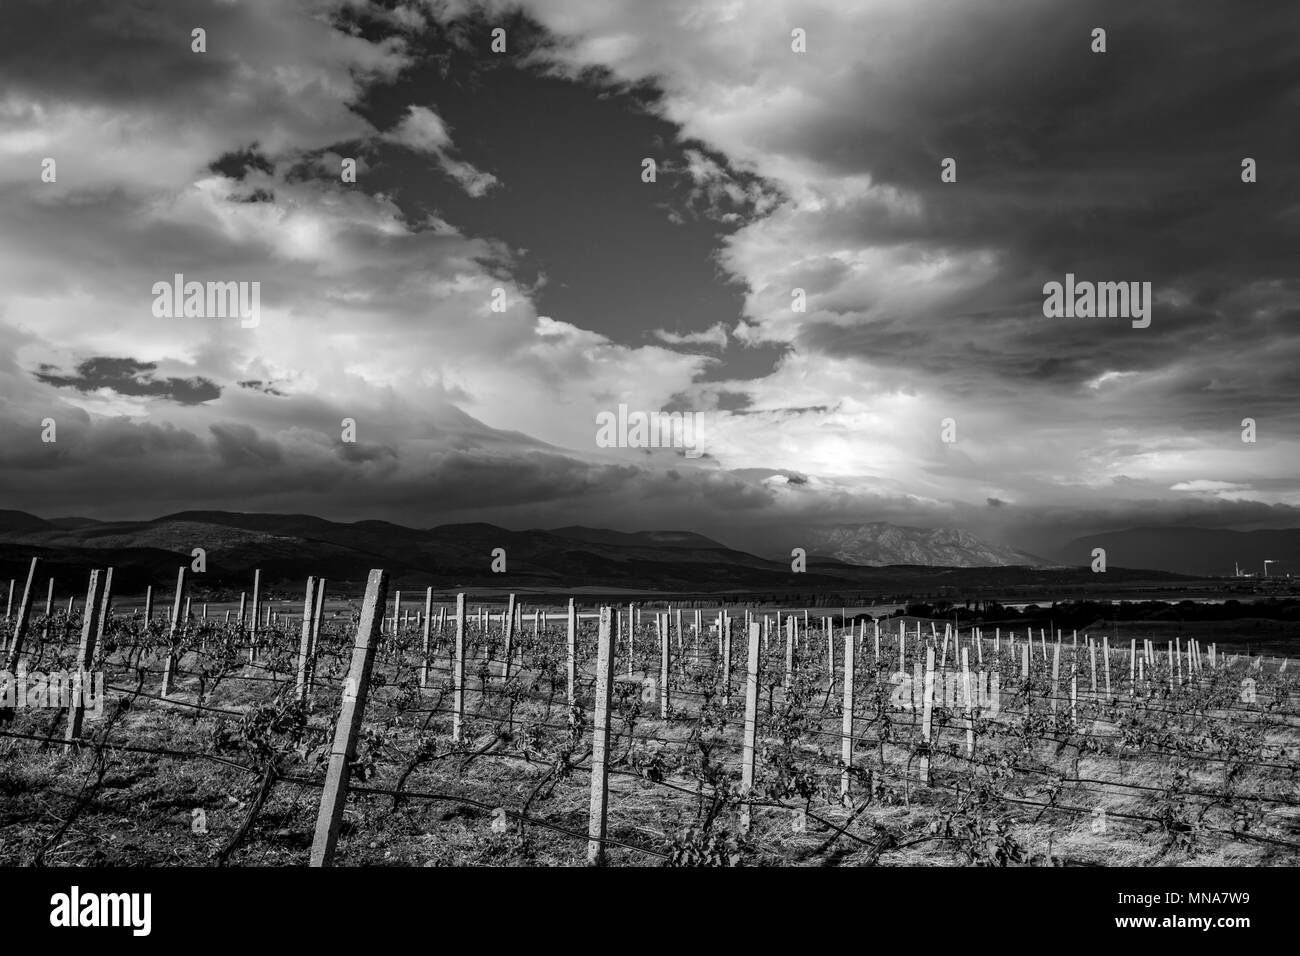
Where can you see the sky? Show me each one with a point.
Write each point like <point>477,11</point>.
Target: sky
<point>517,178</point>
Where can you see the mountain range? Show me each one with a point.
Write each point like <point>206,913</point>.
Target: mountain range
<point>878,544</point>
<point>287,548</point>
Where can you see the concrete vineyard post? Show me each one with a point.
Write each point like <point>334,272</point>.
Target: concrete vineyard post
<point>257,614</point>
<point>970,710</point>
<point>1024,677</point>
<point>846,720</point>
<point>927,702</point>
<point>24,612</point>
<point>148,605</point>
<point>726,660</point>
<point>458,675</point>
<point>663,667</point>
<point>172,629</point>
<point>789,652</point>
<point>85,657</point>
<point>830,653</point>
<point>751,726</point>
<point>1092,654</point>
<point>1056,673</point>
<point>1105,661</point>
<point>344,749</point>
<point>598,813</point>
<point>304,644</point>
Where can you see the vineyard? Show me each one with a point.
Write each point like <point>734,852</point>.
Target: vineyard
<point>443,732</point>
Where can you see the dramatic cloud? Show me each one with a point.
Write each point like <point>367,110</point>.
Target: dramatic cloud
<point>423,131</point>
<point>863,340</point>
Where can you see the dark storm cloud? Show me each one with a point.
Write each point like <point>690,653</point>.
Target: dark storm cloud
<point>129,377</point>
<point>240,446</point>
<point>1123,165</point>
<point>619,256</point>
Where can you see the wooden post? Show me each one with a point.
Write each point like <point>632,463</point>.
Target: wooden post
<point>85,657</point>
<point>510,636</point>
<point>572,669</point>
<point>349,725</point>
<point>24,612</point>
<point>458,675</point>
<point>428,626</point>
<point>170,667</point>
<point>751,726</point>
<point>49,610</point>
<point>9,608</point>
<point>846,721</point>
<point>927,702</point>
<point>304,644</point>
<point>598,813</point>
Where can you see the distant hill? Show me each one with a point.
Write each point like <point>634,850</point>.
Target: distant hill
<point>878,543</point>
<point>288,548</point>
<point>1196,551</point>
